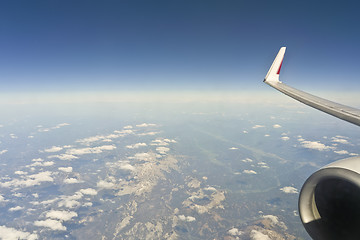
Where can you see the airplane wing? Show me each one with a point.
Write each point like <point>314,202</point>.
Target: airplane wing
<point>346,113</point>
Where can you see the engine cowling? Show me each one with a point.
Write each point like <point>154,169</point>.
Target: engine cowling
<point>329,201</point>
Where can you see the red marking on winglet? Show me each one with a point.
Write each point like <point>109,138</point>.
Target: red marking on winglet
<point>278,72</point>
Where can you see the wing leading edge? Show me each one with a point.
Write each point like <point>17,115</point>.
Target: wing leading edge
<point>343,112</point>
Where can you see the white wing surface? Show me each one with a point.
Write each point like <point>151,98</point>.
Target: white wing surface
<point>346,113</point>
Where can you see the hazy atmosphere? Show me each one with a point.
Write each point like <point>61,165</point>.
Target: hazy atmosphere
<point>150,120</point>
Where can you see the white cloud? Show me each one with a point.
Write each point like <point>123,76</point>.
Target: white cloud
<point>341,152</point>
<point>289,190</point>
<point>71,201</point>
<point>82,151</point>
<point>42,164</point>
<point>235,232</point>
<point>337,139</point>
<point>53,149</point>
<point>20,172</point>
<point>72,180</point>
<point>64,157</point>
<point>2,199</point>
<point>66,169</point>
<point>88,191</point>
<point>128,127</point>
<point>37,160</point>
<point>162,150</point>
<point>258,126</point>
<point>61,215</point>
<point>266,135</point>
<point>210,189</point>
<point>136,145</point>
<point>273,218</point>
<point>116,134</point>
<point>276,126</point>
<point>315,145</point>
<point>256,235</point>
<point>41,129</point>
<point>3,151</point>
<point>105,184</point>
<point>249,172</point>
<point>51,223</point>
<point>29,180</point>
<point>233,148</point>
<point>148,134</point>
<point>187,218</point>
<point>13,234</point>
<point>285,138</point>
<point>247,160</point>
<point>61,125</point>
<point>127,166</point>
<point>142,156</point>
<point>146,125</point>
<point>14,209</point>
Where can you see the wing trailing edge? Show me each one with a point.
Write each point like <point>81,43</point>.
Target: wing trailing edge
<point>343,112</point>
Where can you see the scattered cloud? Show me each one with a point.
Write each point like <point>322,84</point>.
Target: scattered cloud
<point>316,145</point>
<point>340,139</point>
<point>29,180</point>
<point>249,172</point>
<point>13,234</point>
<point>66,169</point>
<point>247,160</point>
<point>53,149</point>
<point>341,152</point>
<point>14,209</point>
<point>273,218</point>
<point>88,191</point>
<point>71,180</point>
<point>61,215</point>
<point>2,199</point>
<point>136,145</point>
<point>146,125</point>
<point>148,134</point>
<point>285,138</point>
<point>42,164</point>
<point>128,127</point>
<point>115,134</point>
<point>37,160</point>
<point>64,156</point>
<point>162,150</point>
<point>106,184</point>
<point>20,172</point>
<point>51,223</point>
<point>42,129</point>
<point>141,156</point>
<point>258,126</point>
<point>289,190</point>
<point>276,126</point>
<point>187,218</point>
<point>256,235</point>
<point>3,151</point>
<point>233,148</point>
<point>88,150</point>
<point>234,232</point>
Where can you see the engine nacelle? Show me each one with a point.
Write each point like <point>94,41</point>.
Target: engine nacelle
<point>329,201</point>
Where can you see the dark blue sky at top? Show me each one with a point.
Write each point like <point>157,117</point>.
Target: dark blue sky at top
<point>176,45</point>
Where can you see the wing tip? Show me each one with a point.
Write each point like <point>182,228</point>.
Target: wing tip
<point>274,71</point>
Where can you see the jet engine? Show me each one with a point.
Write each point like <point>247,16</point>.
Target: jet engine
<point>329,201</point>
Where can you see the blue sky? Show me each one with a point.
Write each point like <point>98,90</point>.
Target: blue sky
<point>57,46</point>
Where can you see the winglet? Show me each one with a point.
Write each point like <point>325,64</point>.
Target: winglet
<point>274,71</point>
